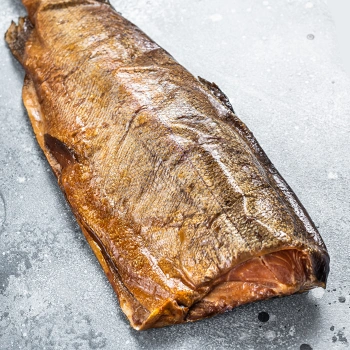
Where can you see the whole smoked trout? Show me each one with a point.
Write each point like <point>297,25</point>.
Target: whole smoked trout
<point>183,209</point>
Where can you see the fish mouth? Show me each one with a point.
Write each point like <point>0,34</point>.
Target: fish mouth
<point>275,274</point>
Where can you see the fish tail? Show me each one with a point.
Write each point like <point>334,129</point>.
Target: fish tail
<point>32,6</point>
<point>17,36</point>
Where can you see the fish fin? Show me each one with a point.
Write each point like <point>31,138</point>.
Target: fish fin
<point>58,153</point>
<point>62,154</point>
<point>17,36</point>
<point>108,3</point>
<point>132,308</point>
<point>217,92</point>
<point>32,105</point>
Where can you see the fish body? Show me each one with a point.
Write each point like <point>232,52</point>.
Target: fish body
<point>183,209</point>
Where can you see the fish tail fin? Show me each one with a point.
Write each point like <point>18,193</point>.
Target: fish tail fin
<point>32,6</point>
<point>17,35</point>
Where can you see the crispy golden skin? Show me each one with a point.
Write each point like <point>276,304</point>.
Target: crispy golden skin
<point>181,206</point>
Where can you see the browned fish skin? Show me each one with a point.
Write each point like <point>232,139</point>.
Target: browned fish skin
<point>183,209</point>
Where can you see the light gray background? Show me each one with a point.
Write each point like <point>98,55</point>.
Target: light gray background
<point>340,10</point>
<point>278,62</point>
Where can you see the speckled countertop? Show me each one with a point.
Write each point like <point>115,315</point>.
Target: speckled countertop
<point>277,62</point>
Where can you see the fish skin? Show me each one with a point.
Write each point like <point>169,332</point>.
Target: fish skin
<point>170,188</point>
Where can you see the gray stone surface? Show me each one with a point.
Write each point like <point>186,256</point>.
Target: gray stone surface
<point>277,62</point>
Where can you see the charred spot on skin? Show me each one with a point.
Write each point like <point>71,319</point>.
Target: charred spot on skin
<point>263,316</point>
<point>60,151</point>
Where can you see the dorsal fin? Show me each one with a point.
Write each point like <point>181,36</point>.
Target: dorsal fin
<point>216,91</point>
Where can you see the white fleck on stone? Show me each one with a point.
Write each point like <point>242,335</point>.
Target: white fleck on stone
<point>243,336</point>
<point>270,335</point>
<point>272,318</point>
<point>317,293</point>
<point>296,127</point>
<point>309,5</point>
<point>292,331</point>
<point>332,175</point>
<point>21,179</point>
<point>249,9</point>
<point>216,17</point>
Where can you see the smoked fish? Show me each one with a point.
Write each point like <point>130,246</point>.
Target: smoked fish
<point>181,206</point>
